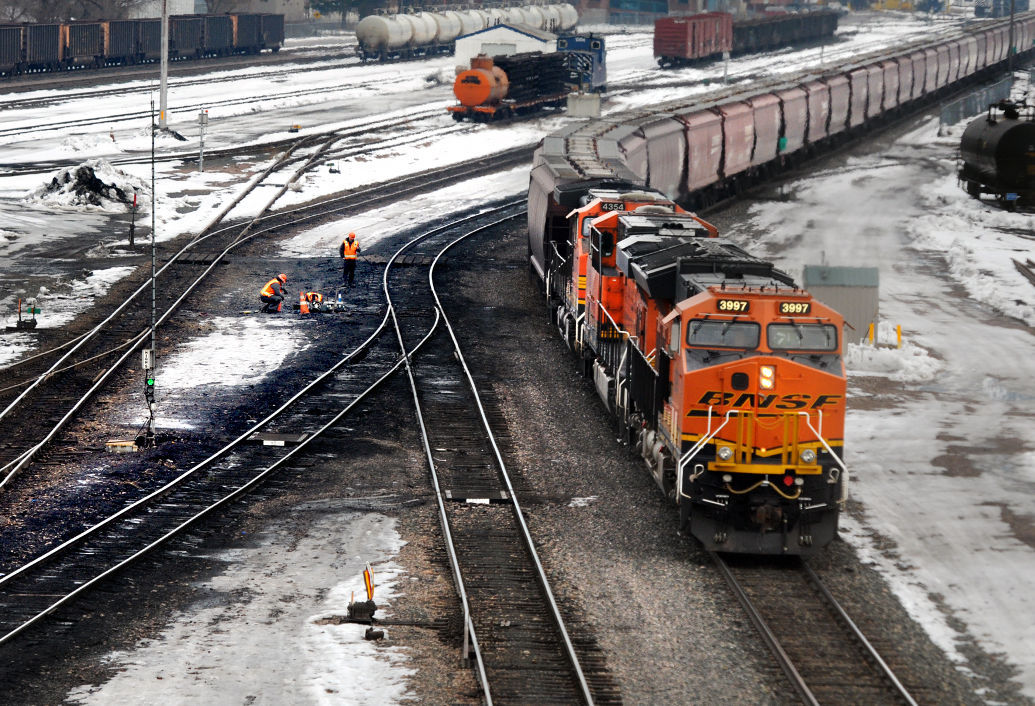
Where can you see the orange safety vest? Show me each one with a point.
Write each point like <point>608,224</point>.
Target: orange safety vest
<point>268,290</point>
<point>349,250</point>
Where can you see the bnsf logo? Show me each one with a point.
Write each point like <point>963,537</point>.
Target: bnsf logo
<point>746,399</point>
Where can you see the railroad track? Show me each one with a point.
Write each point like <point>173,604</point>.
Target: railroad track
<point>1026,268</point>
<point>48,395</point>
<point>819,648</point>
<point>513,628</point>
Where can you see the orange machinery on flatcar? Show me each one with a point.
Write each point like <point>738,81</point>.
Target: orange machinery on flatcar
<point>727,377</point>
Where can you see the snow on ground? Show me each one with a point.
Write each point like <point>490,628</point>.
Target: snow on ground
<point>940,454</point>
<point>274,598</point>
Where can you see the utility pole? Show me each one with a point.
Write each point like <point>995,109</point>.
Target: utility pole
<point>202,121</point>
<point>148,358</point>
<point>1012,50</point>
<point>163,98</point>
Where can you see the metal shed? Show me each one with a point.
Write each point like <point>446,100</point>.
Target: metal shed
<point>853,291</point>
<point>503,39</point>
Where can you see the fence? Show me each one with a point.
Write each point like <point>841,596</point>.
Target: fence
<point>975,103</point>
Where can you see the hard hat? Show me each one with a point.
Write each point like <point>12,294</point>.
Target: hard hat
<point>352,236</point>
<point>282,277</point>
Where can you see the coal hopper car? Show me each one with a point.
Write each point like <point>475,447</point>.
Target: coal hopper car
<point>997,155</point>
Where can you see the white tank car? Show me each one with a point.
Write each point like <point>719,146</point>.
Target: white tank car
<point>569,16</point>
<point>551,18</point>
<point>424,29</point>
<point>469,22</point>
<point>447,26</point>
<point>383,34</point>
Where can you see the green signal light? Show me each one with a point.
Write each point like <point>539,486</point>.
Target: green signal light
<point>150,382</point>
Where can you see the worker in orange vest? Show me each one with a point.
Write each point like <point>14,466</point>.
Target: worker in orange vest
<point>273,294</point>
<point>349,252</point>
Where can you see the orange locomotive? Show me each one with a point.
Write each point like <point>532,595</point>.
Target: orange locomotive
<point>726,376</point>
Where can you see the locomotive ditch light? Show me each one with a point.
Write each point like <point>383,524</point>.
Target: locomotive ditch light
<point>725,453</point>
<point>767,377</point>
<point>727,478</point>
<point>808,456</point>
<point>799,482</point>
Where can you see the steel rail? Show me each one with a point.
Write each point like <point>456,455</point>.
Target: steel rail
<point>453,561</point>
<point>768,637</point>
<point>211,508</point>
<point>18,463</point>
<point>518,512</point>
<point>885,670</point>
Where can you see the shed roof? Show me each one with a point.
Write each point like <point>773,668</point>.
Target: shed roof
<point>823,276</point>
<point>533,32</point>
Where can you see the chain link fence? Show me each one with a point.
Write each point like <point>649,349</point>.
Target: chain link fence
<point>975,103</point>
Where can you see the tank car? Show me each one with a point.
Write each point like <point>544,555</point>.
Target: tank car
<point>997,155</point>
<point>496,88</point>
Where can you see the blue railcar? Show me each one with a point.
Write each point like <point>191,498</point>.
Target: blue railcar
<point>586,59</point>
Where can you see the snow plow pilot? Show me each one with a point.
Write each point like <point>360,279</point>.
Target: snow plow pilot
<point>273,294</point>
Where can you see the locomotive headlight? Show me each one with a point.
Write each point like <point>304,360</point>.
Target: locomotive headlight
<point>725,453</point>
<point>808,456</point>
<point>766,377</point>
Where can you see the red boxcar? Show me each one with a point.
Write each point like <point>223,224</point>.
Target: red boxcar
<point>682,40</point>
<point>874,90</point>
<point>891,71</point>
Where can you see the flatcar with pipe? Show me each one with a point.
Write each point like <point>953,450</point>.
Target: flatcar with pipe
<point>500,87</point>
<point>724,376</point>
<point>997,155</point>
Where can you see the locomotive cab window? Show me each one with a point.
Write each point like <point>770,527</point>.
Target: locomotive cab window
<point>714,333</point>
<point>802,337</point>
<point>602,246</point>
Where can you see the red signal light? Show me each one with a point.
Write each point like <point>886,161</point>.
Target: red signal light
<point>788,481</point>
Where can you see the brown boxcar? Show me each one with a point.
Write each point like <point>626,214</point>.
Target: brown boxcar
<point>149,39</point>
<point>217,37</point>
<point>858,83</point>
<point>185,36</point>
<point>43,48</point>
<point>120,41</point>
<point>682,40</point>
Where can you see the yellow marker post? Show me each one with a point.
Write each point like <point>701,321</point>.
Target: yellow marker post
<point>869,334</point>
<point>898,330</point>
<point>368,579</point>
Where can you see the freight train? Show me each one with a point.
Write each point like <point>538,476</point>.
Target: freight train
<point>997,155</point>
<point>684,40</point>
<point>33,48</point>
<point>745,434</point>
<point>496,88</point>
<point>406,36</point>
<point>723,375</point>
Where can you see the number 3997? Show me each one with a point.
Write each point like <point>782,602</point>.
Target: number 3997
<point>734,305</point>
<point>795,307</point>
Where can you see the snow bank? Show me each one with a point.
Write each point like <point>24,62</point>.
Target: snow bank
<point>95,185</point>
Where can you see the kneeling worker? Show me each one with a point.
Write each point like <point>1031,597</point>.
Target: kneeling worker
<point>273,294</point>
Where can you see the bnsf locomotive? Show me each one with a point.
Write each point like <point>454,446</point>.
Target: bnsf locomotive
<point>724,375</point>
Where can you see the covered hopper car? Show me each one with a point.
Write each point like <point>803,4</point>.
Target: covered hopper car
<point>684,40</point>
<point>997,155</point>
